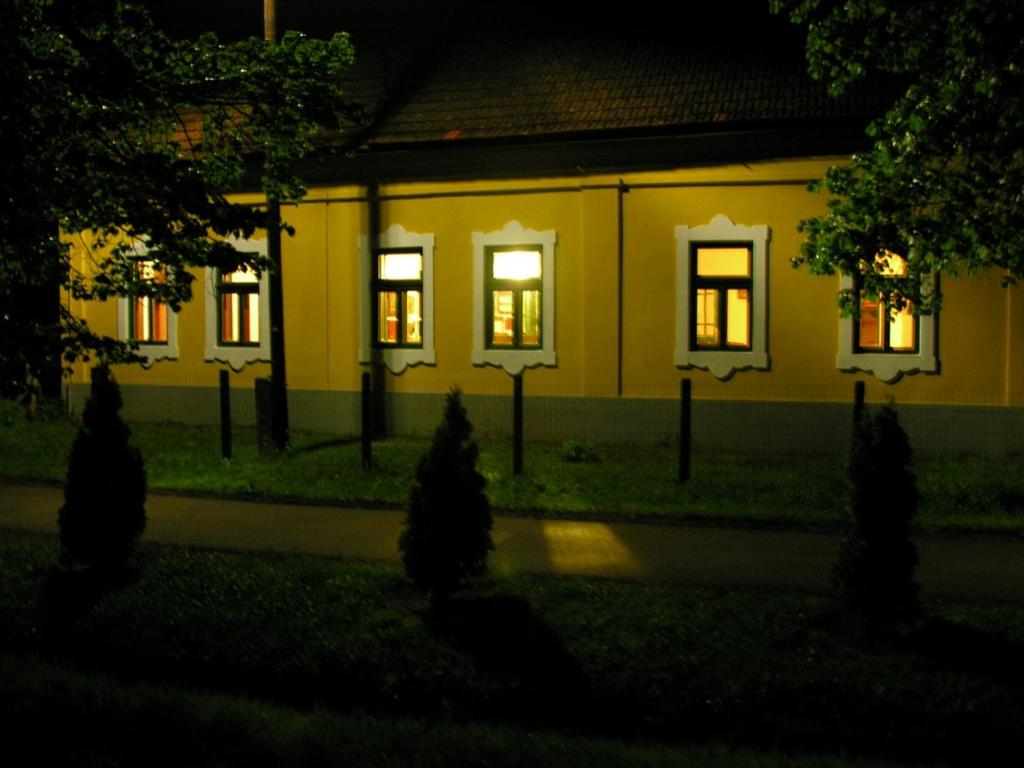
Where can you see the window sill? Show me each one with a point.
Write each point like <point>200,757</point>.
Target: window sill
<point>722,364</point>
<point>515,360</point>
<point>887,367</point>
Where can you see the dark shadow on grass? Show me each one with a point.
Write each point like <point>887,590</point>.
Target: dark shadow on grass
<point>968,649</point>
<point>541,683</point>
<point>68,595</point>
<point>323,444</point>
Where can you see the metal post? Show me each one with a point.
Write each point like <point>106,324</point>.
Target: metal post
<point>367,421</point>
<point>685,430</point>
<point>225,415</point>
<point>264,389</point>
<point>858,401</point>
<point>517,424</point>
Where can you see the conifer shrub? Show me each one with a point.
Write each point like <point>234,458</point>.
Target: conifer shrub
<point>104,514</point>
<point>874,574</point>
<point>578,451</point>
<point>447,533</point>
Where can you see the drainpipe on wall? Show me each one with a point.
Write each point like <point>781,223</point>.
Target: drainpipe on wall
<point>622,190</point>
<point>378,372</point>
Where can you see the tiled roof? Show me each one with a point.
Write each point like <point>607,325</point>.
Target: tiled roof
<point>533,88</point>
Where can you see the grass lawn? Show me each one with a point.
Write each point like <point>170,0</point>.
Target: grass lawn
<point>62,715</point>
<point>304,648</point>
<point>957,492</point>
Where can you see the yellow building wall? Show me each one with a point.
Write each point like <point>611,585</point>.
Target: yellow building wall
<point>981,328</point>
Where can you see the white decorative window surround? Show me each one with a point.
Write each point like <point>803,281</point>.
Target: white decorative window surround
<point>887,366</point>
<point>237,355</point>
<point>127,309</point>
<point>721,232</point>
<point>396,358</point>
<point>520,353</point>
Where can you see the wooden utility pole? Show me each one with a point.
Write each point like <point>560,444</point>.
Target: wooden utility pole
<point>278,383</point>
<point>269,20</point>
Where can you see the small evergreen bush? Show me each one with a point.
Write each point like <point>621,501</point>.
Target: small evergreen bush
<point>578,451</point>
<point>104,513</point>
<point>874,574</point>
<point>448,529</point>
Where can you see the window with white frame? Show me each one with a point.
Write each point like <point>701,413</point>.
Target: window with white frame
<point>721,297</point>
<point>879,341</point>
<point>514,298</point>
<point>238,312</point>
<point>147,322</point>
<point>397,299</point>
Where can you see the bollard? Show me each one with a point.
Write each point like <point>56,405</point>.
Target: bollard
<point>858,401</point>
<point>225,416</point>
<point>517,424</point>
<point>264,418</point>
<point>685,430</point>
<point>366,419</point>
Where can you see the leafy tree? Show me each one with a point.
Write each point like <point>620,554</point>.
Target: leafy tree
<point>105,494</point>
<point>448,528</point>
<point>941,183</point>
<point>874,574</point>
<point>111,127</point>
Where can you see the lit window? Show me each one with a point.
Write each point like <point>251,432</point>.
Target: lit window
<point>238,312</point>
<point>721,285</point>
<point>397,299</point>
<point>514,298</point>
<point>399,290</point>
<point>514,290</point>
<point>148,317</point>
<point>887,345</point>
<point>149,324</point>
<point>238,302</point>
<point>878,330</point>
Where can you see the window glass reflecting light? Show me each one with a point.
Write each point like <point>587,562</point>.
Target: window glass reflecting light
<point>902,332</point>
<point>387,317</point>
<point>252,319</point>
<point>707,318</point>
<point>149,321</point>
<point>738,313</point>
<point>240,318</point>
<point>400,266</point>
<point>503,333</point>
<point>240,277</point>
<point>413,317</point>
<point>723,262</point>
<point>516,265</point>
<point>871,324</point>
<point>530,331</point>
<point>891,264</point>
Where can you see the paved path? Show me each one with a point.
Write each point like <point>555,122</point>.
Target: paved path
<point>973,567</point>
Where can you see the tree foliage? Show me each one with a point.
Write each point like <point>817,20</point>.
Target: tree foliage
<point>943,181</point>
<point>874,574</point>
<point>105,494</point>
<point>448,529</point>
<point>110,126</point>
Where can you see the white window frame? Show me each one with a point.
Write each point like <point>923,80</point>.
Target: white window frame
<point>151,352</point>
<point>396,359</point>
<point>238,356</point>
<point>889,367</point>
<point>514,360</point>
<point>723,363</point>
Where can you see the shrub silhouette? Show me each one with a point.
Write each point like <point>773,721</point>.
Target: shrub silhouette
<point>104,513</point>
<point>448,528</point>
<point>874,574</point>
